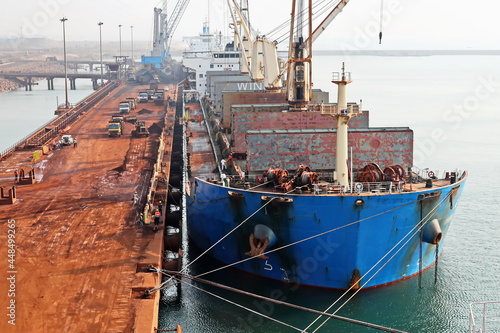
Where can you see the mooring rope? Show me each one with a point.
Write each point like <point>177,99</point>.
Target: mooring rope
<point>172,276</point>
<point>272,300</point>
<point>213,245</point>
<point>411,233</point>
<point>305,239</point>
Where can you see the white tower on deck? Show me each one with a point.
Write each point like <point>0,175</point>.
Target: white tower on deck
<point>343,114</point>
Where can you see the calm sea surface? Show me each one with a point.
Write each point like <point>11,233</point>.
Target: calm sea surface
<point>452,103</point>
<point>22,112</point>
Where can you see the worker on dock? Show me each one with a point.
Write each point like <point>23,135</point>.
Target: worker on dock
<point>156,220</point>
<point>229,163</point>
<point>141,219</point>
<point>135,198</point>
<point>75,142</point>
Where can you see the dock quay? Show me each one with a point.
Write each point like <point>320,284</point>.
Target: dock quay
<point>76,224</point>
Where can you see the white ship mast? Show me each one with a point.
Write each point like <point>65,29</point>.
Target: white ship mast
<point>343,114</point>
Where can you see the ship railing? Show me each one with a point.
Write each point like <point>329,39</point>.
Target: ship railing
<point>359,187</point>
<point>484,317</point>
<point>333,109</point>
<point>328,188</point>
<point>429,173</point>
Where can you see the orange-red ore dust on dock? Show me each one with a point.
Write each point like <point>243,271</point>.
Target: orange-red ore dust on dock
<point>71,244</point>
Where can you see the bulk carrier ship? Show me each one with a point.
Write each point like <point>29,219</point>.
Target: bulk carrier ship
<point>285,186</point>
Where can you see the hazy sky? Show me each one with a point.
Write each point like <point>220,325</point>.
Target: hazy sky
<point>413,24</point>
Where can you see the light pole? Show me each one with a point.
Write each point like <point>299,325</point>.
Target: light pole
<point>100,50</point>
<point>63,20</point>
<point>132,41</point>
<point>120,34</point>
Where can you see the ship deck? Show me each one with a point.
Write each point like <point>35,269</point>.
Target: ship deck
<point>78,244</point>
<point>205,165</point>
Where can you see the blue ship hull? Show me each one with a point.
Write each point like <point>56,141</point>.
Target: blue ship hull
<point>324,240</point>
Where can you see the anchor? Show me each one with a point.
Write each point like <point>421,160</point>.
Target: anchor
<point>257,247</point>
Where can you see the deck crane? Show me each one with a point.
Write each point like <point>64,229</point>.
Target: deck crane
<point>242,39</point>
<point>259,56</point>
<point>163,31</point>
<point>298,66</point>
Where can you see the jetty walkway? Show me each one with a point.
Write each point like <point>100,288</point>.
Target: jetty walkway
<point>42,67</point>
<point>75,254</point>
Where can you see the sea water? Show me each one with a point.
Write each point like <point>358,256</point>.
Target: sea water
<point>452,103</point>
<point>22,112</point>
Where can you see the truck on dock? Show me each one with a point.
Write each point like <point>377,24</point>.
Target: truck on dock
<point>132,102</point>
<point>124,107</point>
<point>140,129</point>
<point>150,93</point>
<point>143,97</point>
<point>117,117</point>
<point>153,84</point>
<point>158,97</point>
<point>114,128</point>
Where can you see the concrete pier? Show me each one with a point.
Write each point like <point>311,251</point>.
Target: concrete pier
<point>80,255</point>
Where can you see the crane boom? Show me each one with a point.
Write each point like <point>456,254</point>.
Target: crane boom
<point>163,30</point>
<point>327,20</point>
<point>299,71</point>
<point>173,21</point>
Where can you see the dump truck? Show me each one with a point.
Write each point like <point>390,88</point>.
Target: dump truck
<point>140,129</point>
<point>118,117</point>
<point>132,102</point>
<point>150,93</point>
<point>158,97</point>
<point>143,97</point>
<point>153,84</point>
<point>114,128</point>
<point>124,107</point>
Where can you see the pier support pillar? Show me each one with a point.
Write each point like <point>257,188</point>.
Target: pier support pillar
<point>50,83</point>
<point>72,83</point>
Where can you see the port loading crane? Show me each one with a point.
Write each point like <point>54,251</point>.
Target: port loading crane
<point>162,34</point>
